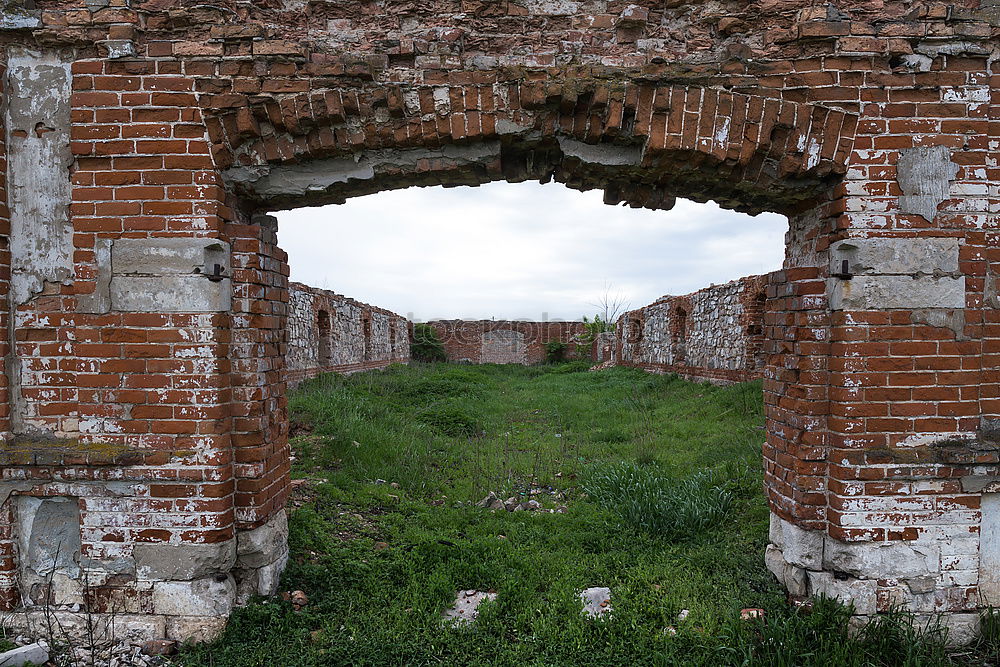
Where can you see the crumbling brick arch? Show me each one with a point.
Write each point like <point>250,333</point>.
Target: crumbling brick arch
<point>640,143</point>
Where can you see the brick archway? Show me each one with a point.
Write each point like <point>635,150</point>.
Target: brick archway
<point>157,136</point>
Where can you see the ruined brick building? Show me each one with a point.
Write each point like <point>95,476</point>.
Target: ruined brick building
<point>503,342</point>
<point>145,141</point>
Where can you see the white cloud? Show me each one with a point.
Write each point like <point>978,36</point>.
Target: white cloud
<point>520,250</point>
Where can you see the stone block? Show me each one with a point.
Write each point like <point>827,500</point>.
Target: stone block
<point>170,275</point>
<point>32,654</point>
<point>170,294</point>
<point>896,292</point>
<point>211,596</point>
<point>800,547</point>
<point>49,546</point>
<point>184,562</point>
<point>263,545</point>
<point>195,628</point>
<point>881,560</point>
<point>887,256</point>
<point>165,257</point>
<point>793,578</point>
<point>859,592</point>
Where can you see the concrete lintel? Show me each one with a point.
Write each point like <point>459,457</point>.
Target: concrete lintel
<point>606,154</point>
<point>273,181</point>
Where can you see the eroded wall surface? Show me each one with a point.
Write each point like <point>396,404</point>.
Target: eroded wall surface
<point>871,124</point>
<point>714,334</point>
<point>507,342</point>
<point>331,333</point>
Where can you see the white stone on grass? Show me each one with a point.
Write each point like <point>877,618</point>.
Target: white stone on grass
<point>596,601</point>
<point>35,654</point>
<point>466,607</point>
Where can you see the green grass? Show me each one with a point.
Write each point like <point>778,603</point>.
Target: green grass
<point>661,483</point>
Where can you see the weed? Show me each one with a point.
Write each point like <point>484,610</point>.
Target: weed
<point>555,351</point>
<point>425,345</point>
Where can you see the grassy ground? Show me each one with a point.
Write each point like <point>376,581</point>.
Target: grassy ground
<point>659,480</point>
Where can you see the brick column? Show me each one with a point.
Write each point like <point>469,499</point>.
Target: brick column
<point>895,498</point>
<point>129,450</point>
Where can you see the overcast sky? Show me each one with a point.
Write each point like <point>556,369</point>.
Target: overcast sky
<point>519,251</point>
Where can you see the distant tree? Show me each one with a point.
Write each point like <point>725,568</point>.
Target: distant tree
<point>610,307</point>
<point>425,345</point>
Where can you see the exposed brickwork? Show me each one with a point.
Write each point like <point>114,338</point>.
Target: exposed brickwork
<point>330,333</point>
<point>714,334</point>
<point>871,124</point>
<point>507,342</point>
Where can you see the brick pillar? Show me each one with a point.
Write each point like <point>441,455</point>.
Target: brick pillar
<point>133,419</point>
<point>882,453</point>
<point>259,407</point>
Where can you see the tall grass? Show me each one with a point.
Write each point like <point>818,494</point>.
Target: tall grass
<point>649,500</point>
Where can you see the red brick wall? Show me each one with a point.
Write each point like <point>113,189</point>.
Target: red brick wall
<point>492,341</point>
<point>883,402</point>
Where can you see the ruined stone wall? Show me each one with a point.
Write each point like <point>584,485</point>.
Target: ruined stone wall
<point>713,334</point>
<point>330,333</point>
<point>148,299</point>
<point>507,342</point>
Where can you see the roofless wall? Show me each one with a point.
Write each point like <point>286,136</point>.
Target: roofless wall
<point>143,395</point>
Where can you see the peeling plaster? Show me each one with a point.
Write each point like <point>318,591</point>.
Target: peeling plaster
<point>924,174</point>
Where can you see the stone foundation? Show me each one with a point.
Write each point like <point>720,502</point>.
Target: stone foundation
<point>180,592</point>
<point>934,577</point>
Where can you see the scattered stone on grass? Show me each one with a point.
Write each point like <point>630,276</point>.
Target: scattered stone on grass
<point>36,654</point>
<point>596,601</point>
<point>466,607</point>
<point>158,647</point>
<point>491,502</point>
<point>512,504</point>
<point>298,599</point>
